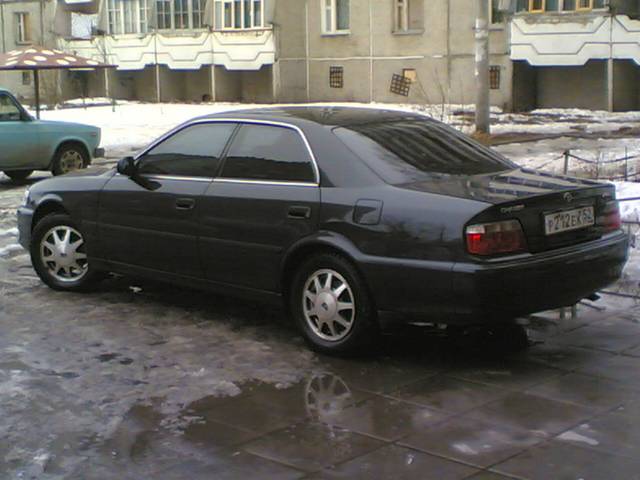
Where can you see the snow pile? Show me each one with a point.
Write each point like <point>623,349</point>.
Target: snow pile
<point>629,210</point>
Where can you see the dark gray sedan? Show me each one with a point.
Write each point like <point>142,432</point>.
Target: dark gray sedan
<point>347,215</point>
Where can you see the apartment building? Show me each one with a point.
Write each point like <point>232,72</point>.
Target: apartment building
<point>576,53</point>
<point>291,50</point>
<point>544,53</point>
<point>23,22</point>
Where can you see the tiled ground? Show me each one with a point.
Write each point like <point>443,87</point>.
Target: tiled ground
<point>158,383</point>
<point>424,408</point>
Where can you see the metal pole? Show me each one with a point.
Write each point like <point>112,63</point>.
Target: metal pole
<point>4,40</point>
<point>36,83</point>
<point>483,119</point>
<point>157,72</point>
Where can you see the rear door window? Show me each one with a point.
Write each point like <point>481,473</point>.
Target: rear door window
<point>192,152</point>
<point>412,150</point>
<point>268,153</point>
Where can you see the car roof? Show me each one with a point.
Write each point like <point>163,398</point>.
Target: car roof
<point>320,115</point>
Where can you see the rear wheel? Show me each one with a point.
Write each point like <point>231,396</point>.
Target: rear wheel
<point>59,255</point>
<point>68,158</point>
<point>330,302</point>
<point>18,174</point>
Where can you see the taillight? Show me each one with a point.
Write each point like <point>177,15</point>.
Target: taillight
<point>496,238</point>
<point>611,219</point>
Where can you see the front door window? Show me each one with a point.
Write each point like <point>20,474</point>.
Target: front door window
<point>9,111</point>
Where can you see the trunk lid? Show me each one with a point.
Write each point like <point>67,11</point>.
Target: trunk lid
<point>529,196</point>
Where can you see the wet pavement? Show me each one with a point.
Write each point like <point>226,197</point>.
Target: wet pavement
<point>140,380</point>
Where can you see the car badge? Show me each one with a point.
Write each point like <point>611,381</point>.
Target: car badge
<point>568,197</point>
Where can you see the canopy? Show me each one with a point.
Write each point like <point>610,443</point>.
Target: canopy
<point>37,58</point>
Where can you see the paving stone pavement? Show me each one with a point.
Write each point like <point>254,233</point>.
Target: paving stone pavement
<point>164,383</point>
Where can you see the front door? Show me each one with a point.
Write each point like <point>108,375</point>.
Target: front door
<point>152,223</point>
<point>265,199</point>
<point>19,138</point>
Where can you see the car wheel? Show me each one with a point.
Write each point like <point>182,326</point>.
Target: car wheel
<point>18,174</point>
<point>68,158</point>
<point>58,254</point>
<point>332,306</point>
<point>508,337</point>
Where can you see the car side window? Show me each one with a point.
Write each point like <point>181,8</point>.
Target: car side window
<point>269,153</point>
<point>9,111</point>
<point>192,152</point>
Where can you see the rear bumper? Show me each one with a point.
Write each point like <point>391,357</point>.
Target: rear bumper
<point>25,218</point>
<point>493,291</point>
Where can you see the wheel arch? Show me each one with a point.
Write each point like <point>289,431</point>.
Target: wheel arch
<point>71,141</point>
<point>323,242</point>
<point>46,207</point>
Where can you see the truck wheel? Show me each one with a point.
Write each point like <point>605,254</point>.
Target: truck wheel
<point>68,158</point>
<point>332,306</point>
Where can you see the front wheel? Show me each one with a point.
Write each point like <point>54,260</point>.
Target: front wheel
<point>68,158</point>
<point>332,306</point>
<point>59,255</point>
<point>18,174</point>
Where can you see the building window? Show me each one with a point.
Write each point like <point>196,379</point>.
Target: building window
<point>180,14</point>
<point>539,6</point>
<point>335,17</point>
<point>128,16</point>
<point>239,14</point>
<point>496,15</point>
<point>23,28</point>
<point>494,77</point>
<point>26,78</point>
<point>336,77</point>
<point>401,15</point>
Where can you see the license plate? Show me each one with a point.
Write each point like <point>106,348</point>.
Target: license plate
<point>568,220</point>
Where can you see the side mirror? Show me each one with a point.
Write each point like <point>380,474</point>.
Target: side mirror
<point>126,166</point>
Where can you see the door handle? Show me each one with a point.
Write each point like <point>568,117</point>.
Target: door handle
<point>299,212</point>
<point>185,204</point>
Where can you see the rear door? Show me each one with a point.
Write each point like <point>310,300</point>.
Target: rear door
<point>266,198</point>
<point>153,223</point>
<point>19,137</point>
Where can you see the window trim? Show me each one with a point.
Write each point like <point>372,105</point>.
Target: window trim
<point>329,30</point>
<point>172,17</point>
<point>232,28</point>
<point>238,122</point>
<point>401,20</point>
<point>543,6</point>
<point>561,10</point>
<point>23,28</point>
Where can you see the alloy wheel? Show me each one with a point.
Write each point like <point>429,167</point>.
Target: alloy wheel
<point>62,253</point>
<point>328,305</point>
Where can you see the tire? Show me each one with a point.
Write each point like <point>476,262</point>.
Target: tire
<point>508,337</point>
<point>18,174</point>
<point>75,273</point>
<point>69,157</point>
<point>315,306</point>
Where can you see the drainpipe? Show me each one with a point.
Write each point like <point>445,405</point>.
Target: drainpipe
<point>42,23</point>
<point>4,40</point>
<point>483,119</point>
<point>610,67</point>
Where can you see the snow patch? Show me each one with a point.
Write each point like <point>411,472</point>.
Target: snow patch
<point>9,249</point>
<point>572,436</point>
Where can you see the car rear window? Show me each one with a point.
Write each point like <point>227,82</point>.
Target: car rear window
<point>414,150</point>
